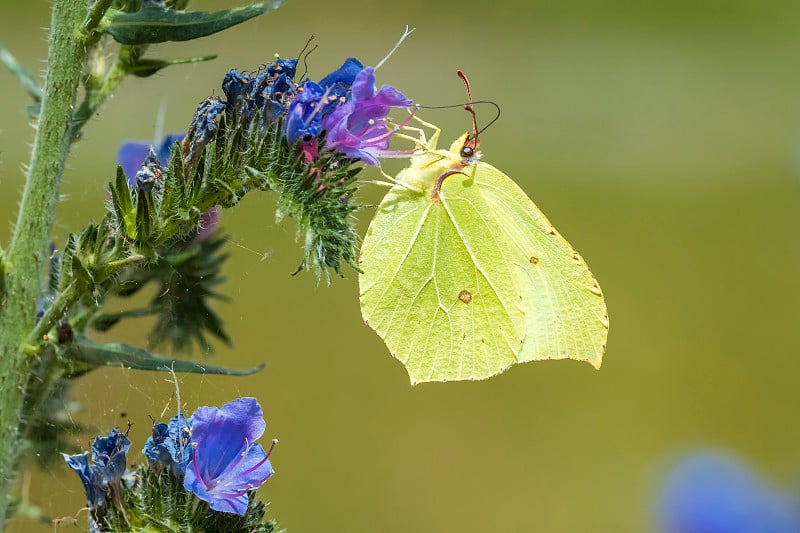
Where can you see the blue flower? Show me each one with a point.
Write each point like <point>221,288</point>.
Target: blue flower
<point>170,446</point>
<point>314,100</point>
<point>103,476</point>
<point>712,493</point>
<point>304,116</point>
<point>132,155</point>
<point>234,86</point>
<point>344,75</point>
<point>227,463</point>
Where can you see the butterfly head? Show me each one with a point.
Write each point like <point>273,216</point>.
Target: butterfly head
<point>466,149</point>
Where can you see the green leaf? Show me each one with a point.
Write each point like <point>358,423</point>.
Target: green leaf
<point>147,67</point>
<point>124,212</point>
<point>157,25</point>
<point>92,353</point>
<point>146,218</point>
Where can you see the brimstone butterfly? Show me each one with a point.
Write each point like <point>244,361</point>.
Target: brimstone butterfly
<point>462,275</point>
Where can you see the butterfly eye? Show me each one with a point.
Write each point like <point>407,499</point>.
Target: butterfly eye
<point>307,137</point>
<point>467,152</point>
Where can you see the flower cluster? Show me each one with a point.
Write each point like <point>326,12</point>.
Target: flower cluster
<point>211,455</point>
<point>344,110</point>
<point>270,132</point>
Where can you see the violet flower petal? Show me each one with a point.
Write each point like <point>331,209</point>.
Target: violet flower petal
<point>226,463</point>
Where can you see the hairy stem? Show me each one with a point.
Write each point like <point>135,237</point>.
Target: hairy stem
<point>27,255</point>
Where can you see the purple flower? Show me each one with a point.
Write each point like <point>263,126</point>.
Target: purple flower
<point>357,128</point>
<point>132,155</point>
<point>349,109</point>
<point>102,477</point>
<point>227,463</point>
<point>713,493</point>
<point>170,446</point>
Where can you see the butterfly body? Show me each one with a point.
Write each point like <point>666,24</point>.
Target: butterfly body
<point>462,276</point>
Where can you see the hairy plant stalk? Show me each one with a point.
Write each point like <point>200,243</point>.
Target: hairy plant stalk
<point>27,255</point>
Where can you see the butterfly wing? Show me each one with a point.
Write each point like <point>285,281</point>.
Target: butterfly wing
<point>437,284</point>
<point>565,311</point>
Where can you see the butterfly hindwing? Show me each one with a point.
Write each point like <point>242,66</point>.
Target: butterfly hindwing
<point>445,302</point>
<point>564,307</point>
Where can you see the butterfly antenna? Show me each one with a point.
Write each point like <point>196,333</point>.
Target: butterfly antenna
<point>496,116</point>
<point>472,143</point>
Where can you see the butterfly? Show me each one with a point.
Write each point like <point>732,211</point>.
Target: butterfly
<point>462,276</point>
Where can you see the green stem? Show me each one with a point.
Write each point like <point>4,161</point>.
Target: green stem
<point>63,301</point>
<point>70,295</point>
<point>27,254</point>
<point>96,13</point>
<point>96,94</point>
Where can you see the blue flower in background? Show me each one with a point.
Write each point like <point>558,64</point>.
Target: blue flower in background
<point>104,475</point>
<point>227,463</point>
<point>131,155</point>
<point>713,493</point>
<point>170,446</point>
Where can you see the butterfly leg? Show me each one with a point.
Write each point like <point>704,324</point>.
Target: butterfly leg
<point>390,181</point>
<point>436,131</point>
<point>421,140</point>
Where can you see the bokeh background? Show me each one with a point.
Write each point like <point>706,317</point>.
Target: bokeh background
<point>661,137</point>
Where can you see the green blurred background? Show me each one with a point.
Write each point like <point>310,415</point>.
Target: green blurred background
<point>662,138</point>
